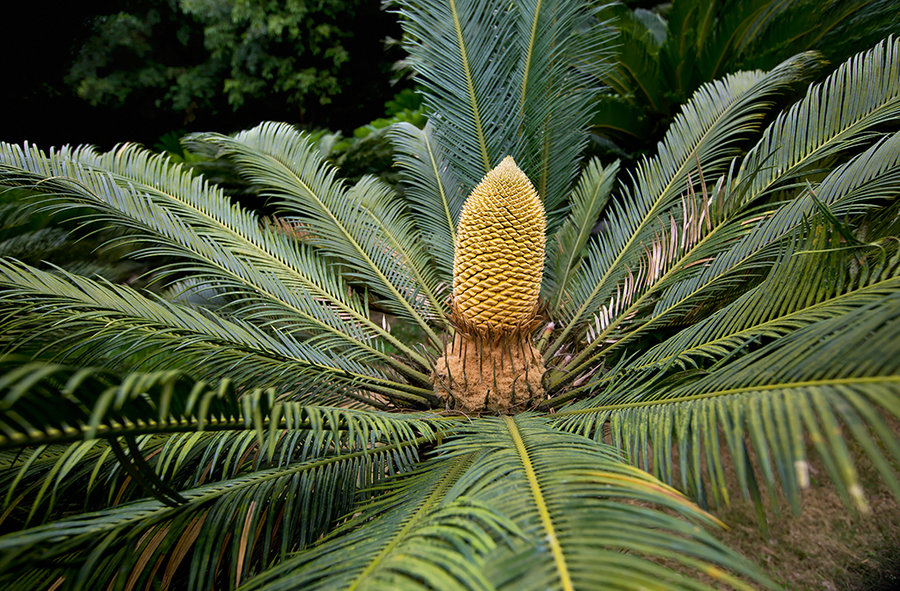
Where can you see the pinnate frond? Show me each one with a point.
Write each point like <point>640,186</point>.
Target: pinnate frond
<point>738,240</point>
<point>366,226</point>
<point>830,379</point>
<point>565,248</point>
<point>125,329</point>
<point>410,538</point>
<point>432,190</point>
<point>704,136</point>
<point>223,531</point>
<point>588,520</point>
<point>171,213</point>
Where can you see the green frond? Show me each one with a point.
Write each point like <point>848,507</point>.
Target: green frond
<point>740,250</point>
<point>365,227</point>
<point>729,244</point>
<point>486,70</point>
<point>409,538</point>
<point>122,327</point>
<point>464,71</point>
<point>222,532</point>
<point>46,403</point>
<point>26,234</point>
<point>804,288</point>
<point>566,47</point>
<point>730,313</point>
<point>435,195</point>
<point>274,279</point>
<point>829,380</point>
<point>836,115</point>
<point>566,247</point>
<point>588,520</point>
<point>703,137</point>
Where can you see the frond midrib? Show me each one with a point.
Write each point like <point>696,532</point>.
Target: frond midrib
<point>583,234</point>
<point>365,256</point>
<point>832,382</point>
<point>529,52</point>
<point>470,87</point>
<point>420,280</point>
<point>147,426</point>
<point>440,185</point>
<point>886,283</point>
<point>403,368</point>
<point>534,484</point>
<point>434,498</point>
<point>211,342</point>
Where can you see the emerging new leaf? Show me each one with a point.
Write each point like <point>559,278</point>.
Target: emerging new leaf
<point>499,252</point>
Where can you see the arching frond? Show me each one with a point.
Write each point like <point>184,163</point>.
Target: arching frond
<point>435,195</point>
<point>45,403</point>
<point>804,289</point>
<point>366,227</point>
<point>260,464</point>
<point>117,324</point>
<point>865,182</point>
<point>731,243</point>
<point>221,532</point>
<point>486,70</point>
<point>27,235</point>
<point>406,539</point>
<point>274,280</point>
<point>703,136</point>
<point>588,520</point>
<point>863,93</point>
<point>564,46</point>
<point>828,380</point>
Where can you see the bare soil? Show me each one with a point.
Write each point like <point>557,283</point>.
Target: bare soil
<point>828,546</point>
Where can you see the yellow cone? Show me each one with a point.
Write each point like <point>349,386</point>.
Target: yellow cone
<point>499,256</point>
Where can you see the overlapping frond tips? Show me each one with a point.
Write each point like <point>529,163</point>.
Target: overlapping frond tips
<point>170,213</point>
<point>464,54</point>
<point>838,114</point>
<point>118,326</point>
<point>704,136</point>
<point>741,247</point>
<point>803,287</point>
<point>46,403</point>
<point>365,227</point>
<point>566,47</point>
<point>735,241</point>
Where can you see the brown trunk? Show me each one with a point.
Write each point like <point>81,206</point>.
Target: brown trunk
<point>501,375</point>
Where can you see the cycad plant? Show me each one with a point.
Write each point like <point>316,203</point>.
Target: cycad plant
<point>462,387</point>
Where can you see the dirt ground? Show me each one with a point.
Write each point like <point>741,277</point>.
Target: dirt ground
<point>828,546</point>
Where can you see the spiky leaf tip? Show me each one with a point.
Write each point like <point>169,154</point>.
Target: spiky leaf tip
<point>499,254</point>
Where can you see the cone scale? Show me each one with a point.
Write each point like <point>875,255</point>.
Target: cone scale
<point>491,365</point>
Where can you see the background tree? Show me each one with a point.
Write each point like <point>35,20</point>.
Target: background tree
<point>165,65</point>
